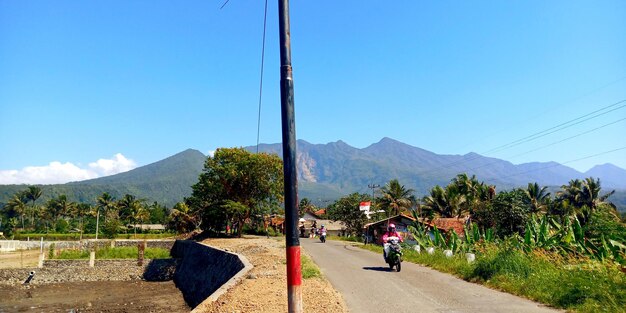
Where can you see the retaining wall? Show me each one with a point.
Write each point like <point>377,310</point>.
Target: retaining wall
<point>91,243</point>
<point>205,273</point>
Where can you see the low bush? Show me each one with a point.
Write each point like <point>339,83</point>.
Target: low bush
<point>115,253</point>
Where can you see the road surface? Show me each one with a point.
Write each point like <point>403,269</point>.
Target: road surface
<point>368,285</point>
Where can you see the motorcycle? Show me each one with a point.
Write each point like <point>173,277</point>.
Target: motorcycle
<point>323,236</point>
<point>394,255</point>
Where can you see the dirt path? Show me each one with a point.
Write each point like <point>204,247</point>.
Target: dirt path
<point>265,288</point>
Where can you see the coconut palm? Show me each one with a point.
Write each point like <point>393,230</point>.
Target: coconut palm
<point>395,197</point>
<point>32,194</point>
<point>537,197</point>
<point>81,210</point>
<point>105,203</point>
<point>18,205</point>
<point>131,210</point>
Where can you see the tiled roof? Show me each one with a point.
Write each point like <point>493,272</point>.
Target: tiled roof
<point>456,224</point>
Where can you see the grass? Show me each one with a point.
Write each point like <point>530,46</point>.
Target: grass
<point>76,236</point>
<point>309,269</point>
<point>578,285</point>
<point>115,253</point>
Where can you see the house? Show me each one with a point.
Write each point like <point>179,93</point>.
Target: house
<point>312,220</point>
<point>159,227</point>
<point>374,231</point>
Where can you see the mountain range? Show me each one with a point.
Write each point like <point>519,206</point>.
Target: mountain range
<point>329,171</point>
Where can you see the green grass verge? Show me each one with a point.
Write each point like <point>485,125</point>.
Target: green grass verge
<point>115,253</point>
<point>309,269</point>
<point>578,285</point>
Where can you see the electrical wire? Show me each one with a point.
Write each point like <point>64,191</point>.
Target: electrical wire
<point>536,135</point>
<point>258,131</point>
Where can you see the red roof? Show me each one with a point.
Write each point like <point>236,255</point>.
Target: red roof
<point>320,212</point>
<point>456,224</point>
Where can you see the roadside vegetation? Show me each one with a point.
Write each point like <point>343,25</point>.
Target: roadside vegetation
<point>112,253</point>
<point>309,268</point>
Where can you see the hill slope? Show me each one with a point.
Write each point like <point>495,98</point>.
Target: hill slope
<point>167,182</point>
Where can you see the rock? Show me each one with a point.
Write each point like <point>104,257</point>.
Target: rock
<point>251,276</point>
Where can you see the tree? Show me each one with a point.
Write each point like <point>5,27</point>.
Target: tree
<point>537,198</point>
<point>105,202</point>
<point>59,207</point>
<point>182,219</point>
<point>510,212</point>
<point>80,211</point>
<point>305,206</point>
<point>395,197</point>
<point>445,203</point>
<point>132,211</point>
<point>236,186</point>
<point>584,198</point>
<point>18,205</point>
<point>32,194</point>
<point>346,210</point>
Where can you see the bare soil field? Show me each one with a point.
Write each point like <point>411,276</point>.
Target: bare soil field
<point>19,259</point>
<point>128,296</point>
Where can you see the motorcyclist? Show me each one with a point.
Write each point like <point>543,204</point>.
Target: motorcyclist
<point>391,232</point>
<point>321,230</point>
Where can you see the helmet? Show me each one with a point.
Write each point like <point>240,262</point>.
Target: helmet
<point>322,225</point>
<point>392,226</point>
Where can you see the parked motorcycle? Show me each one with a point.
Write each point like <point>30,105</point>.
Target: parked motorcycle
<point>394,255</point>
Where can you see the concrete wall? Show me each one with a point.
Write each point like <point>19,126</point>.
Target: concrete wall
<point>91,243</point>
<point>205,272</point>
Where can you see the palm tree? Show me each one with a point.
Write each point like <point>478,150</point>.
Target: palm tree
<point>80,210</point>
<point>59,207</point>
<point>396,197</point>
<point>585,197</point>
<point>131,209</point>
<point>33,193</point>
<point>537,197</point>
<point>105,202</point>
<point>182,218</point>
<point>444,202</point>
<point>17,204</point>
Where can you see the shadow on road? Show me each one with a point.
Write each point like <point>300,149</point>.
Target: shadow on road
<point>377,268</point>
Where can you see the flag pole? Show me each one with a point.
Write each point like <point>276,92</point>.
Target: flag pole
<point>294,271</point>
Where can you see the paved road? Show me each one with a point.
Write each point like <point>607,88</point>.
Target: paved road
<point>367,285</point>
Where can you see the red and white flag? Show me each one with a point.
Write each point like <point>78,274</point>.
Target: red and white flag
<point>365,206</point>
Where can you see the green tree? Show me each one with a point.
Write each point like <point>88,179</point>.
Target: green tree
<point>510,212</point>
<point>306,206</point>
<point>346,210</point>
<point>182,219</point>
<point>444,202</point>
<point>395,198</point>
<point>81,210</point>
<point>33,193</point>
<point>18,205</point>
<point>132,211</point>
<point>236,186</point>
<point>57,208</point>
<point>537,198</point>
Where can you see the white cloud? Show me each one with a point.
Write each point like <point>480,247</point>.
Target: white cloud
<point>59,173</point>
<point>211,153</point>
<point>118,164</point>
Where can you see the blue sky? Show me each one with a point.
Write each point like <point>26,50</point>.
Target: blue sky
<point>104,86</point>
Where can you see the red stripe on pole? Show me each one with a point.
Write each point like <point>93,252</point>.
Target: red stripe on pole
<point>294,271</point>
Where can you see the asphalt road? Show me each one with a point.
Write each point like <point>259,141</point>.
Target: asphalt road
<point>367,284</point>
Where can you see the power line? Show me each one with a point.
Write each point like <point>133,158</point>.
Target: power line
<point>258,130</point>
<point>539,134</point>
<point>566,162</point>
<point>552,144</point>
<point>559,127</point>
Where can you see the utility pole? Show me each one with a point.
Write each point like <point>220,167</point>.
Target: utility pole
<point>373,187</point>
<point>294,271</point>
